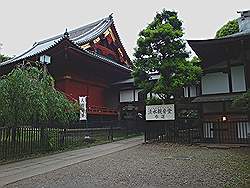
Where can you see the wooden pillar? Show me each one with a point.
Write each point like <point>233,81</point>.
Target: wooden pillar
<point>229,71</point>
<point>134,101</point>
<point>246,70</point>
<point>246,65</point>
<point>229,77</point>
<point>200,85</point>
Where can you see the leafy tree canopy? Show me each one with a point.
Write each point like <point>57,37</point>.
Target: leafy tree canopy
<point>28,96</point>
<point>3,58</point>
<point>161,49</point>
<point>229,28</point>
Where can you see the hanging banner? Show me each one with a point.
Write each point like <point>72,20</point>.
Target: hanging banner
<point>160,112</point>
<point>83,107</point>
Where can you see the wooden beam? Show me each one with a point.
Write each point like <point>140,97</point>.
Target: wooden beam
<point>246,65</point>
<point>229,71</point>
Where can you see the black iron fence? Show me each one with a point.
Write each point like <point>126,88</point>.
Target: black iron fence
<point>19,142</point>
<point>188,131</point>
<point>172,131</point>
<point>226,132</point>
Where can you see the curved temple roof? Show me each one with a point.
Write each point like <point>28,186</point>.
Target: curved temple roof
<point>213,51</point>
<point>85,33</point>
<point>78,36</point>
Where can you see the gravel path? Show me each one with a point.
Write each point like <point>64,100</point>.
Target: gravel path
<point>152,165</point>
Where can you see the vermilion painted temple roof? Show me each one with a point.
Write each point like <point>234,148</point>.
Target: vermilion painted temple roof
<point>78,37</point>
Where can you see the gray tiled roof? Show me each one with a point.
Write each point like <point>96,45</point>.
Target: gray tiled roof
<point>36,49</point>
<point>78,36</point>
<point>86,33</point>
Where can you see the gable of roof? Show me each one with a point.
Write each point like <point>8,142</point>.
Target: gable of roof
<point>99,57</point>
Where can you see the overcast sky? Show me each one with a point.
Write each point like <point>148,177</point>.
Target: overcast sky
<point>24,22</point>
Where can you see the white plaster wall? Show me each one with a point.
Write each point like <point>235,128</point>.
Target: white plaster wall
<point>137,94</point>
<point>193,92</point>
<point>126,96</point>
<point>185,89</point>
<point>213,83</point>
<point>148,95</point>
<point>238,78</point>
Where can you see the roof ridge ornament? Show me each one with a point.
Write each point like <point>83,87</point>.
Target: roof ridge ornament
<point>66,34</point>
<point>111,16</point>
<point>244,21</point>
<point>244,13</point>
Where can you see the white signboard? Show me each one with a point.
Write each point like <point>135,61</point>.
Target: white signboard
<point>160,112</point>
<point>83,107</point>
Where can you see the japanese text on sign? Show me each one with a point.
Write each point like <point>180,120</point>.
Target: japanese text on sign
<point>160,112</point>
<point>83,107</point>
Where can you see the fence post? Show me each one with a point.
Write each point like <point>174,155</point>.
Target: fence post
<point>62,137</point>
<point>13,141</point>
<point>189,132</point>
<point>111,132</point>
<point>145,133</point>
<point>202,135</point>
<point>127,122</point>
<point>44,138</point>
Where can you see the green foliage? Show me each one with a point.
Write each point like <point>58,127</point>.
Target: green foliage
<point>154,101</point>
<point>243,101</point>
<point>53,139</point>
<point>3,58</point>
<point>196,61</point>
<point>28,96</point>
<point>229,28</point>
<point>161,49</point>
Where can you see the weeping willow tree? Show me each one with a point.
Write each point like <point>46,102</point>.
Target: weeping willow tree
<point>28,96</point>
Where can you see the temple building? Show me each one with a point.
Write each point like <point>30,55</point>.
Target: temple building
<point>84,62</point>
<point>226,75</point>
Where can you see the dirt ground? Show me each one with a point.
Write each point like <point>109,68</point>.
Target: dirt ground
<point>153,165</point>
